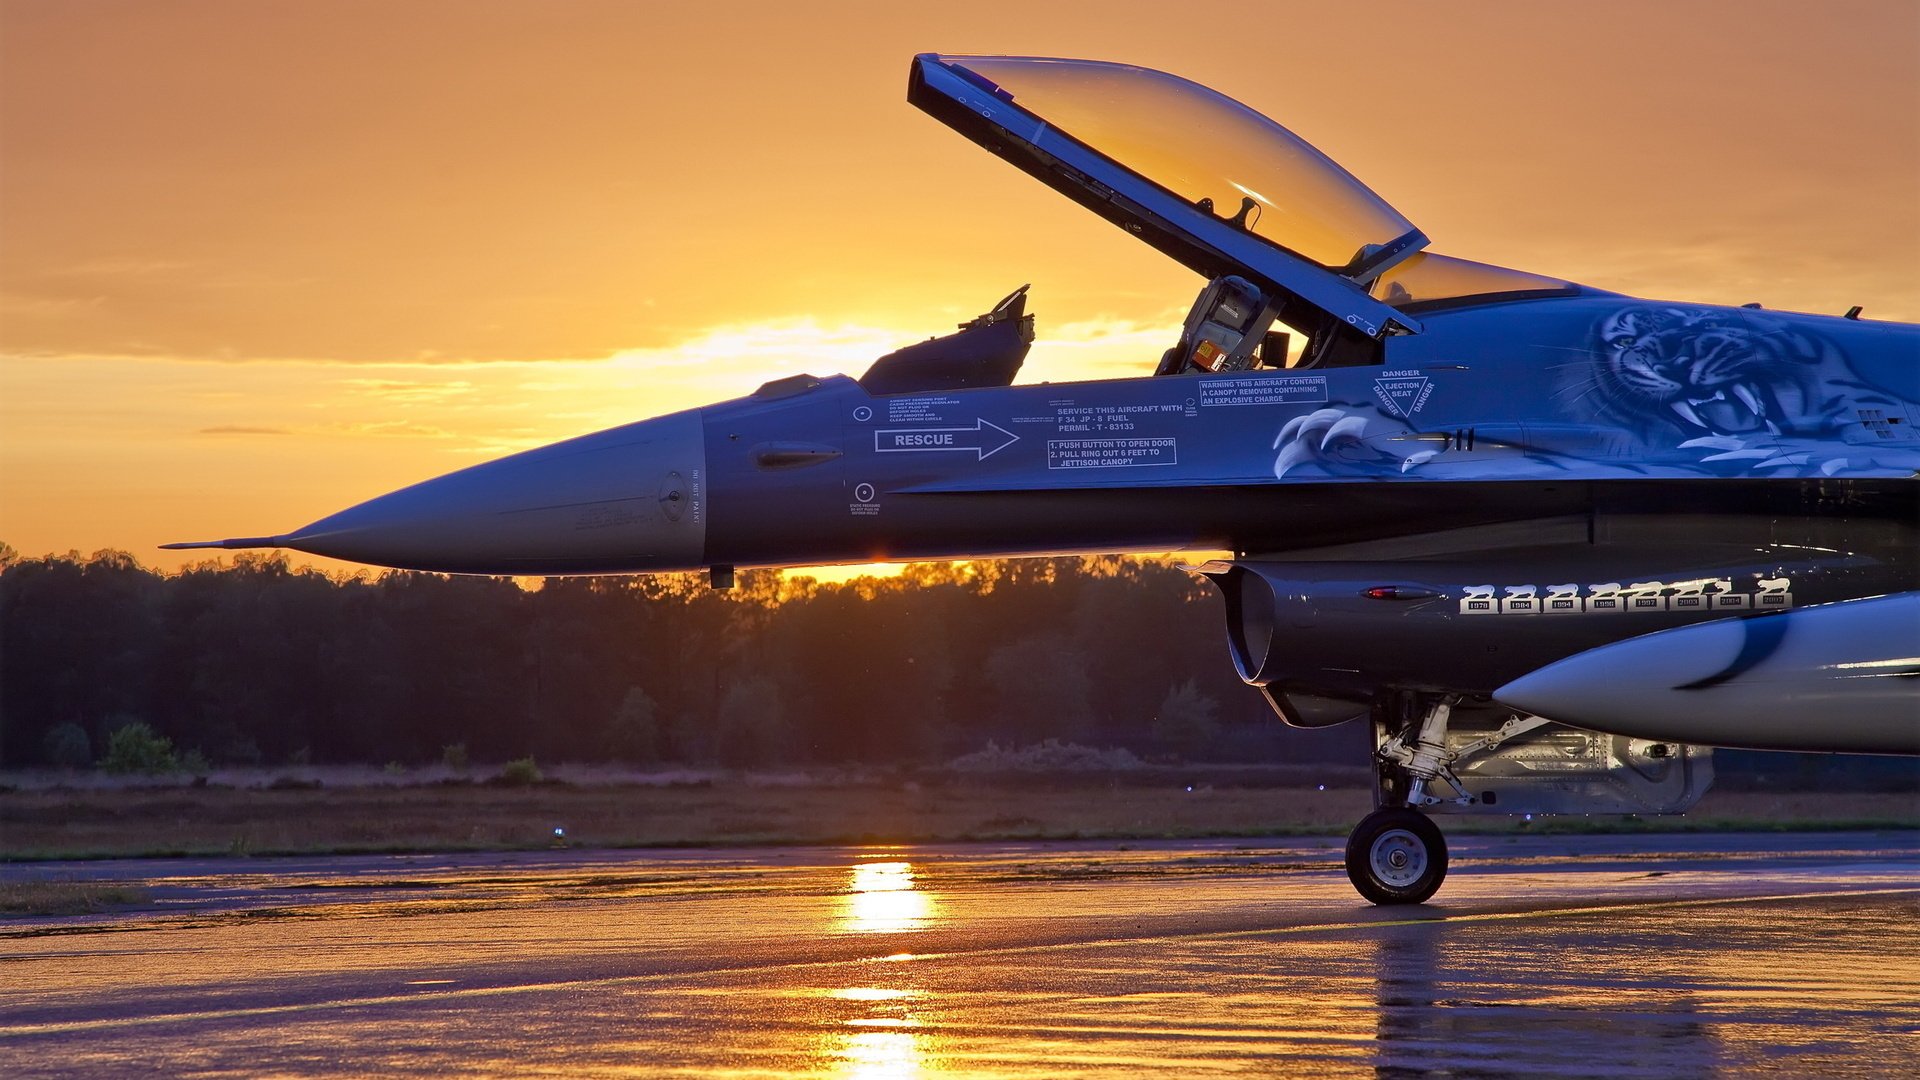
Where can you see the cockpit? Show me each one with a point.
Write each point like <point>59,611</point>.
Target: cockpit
<point>1304,265</point>
<point>1234,325</point>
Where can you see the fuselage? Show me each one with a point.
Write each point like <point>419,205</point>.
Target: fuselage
<point>1499,413</point>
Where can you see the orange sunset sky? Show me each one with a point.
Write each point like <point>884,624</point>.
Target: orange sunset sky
<point>260,261</point>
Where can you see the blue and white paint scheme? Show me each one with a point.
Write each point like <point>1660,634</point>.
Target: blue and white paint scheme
<point>1464,502</point>
<point>1834,675</point>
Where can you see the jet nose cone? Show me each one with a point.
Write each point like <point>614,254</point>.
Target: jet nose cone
<point>630,498</point>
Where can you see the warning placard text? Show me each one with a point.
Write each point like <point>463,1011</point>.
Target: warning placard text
<point>1110,453</point>
<point>1267,390</point>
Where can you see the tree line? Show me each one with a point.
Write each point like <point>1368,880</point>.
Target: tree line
<point>262,662</point>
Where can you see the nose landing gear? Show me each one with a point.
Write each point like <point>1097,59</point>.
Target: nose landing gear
<point>1455,754</point>
<point>1396,854</point>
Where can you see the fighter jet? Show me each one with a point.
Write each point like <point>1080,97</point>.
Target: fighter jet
<point>1550,542</point>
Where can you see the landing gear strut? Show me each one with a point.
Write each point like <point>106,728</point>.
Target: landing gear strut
<point>1396,854</point>
<point>1436,753</point>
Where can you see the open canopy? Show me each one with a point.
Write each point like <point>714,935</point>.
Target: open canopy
<point>1201,144</point>
<point>1189,170</point>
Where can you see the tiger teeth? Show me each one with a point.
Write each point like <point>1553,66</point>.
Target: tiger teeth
<point>1685,409</point>
<point>1748,398</point>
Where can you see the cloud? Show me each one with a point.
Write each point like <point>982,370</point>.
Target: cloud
<point>117,266</point>
<point>21,305</point>
<point>786,340</point>
<point>1104,348</point>
<point>729,359</point>
<point>410,390</point>
<point>392,428</point>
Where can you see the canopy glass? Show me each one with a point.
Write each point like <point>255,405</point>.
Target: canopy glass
<point>1201,144</point>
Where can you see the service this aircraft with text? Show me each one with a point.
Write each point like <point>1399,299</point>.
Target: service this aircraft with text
<point>1551,542</point>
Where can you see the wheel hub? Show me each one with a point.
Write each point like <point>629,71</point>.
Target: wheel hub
<point>1398,858</point>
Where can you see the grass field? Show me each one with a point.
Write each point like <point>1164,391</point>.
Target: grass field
<point>66,897</point>
<point>98,820</point>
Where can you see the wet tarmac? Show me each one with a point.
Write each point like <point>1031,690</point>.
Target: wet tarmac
<point>1638,956</point>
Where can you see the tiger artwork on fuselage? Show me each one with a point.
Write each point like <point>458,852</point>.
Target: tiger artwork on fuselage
<point>1708,390</point>
<point>1748,392</point>
<point>1701,371</point>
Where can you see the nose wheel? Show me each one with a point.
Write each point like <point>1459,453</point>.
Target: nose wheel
<point>1396,856</point>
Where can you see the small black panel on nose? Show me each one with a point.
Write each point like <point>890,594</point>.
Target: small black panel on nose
<point>673,496</point>
<point>792,455</point>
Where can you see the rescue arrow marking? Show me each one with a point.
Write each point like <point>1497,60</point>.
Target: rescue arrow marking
<point>975,438</point>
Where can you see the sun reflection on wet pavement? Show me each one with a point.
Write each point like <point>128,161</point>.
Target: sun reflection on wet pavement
<point>1597,957</point>
<point>882,899</point>
<point>882,1055</point>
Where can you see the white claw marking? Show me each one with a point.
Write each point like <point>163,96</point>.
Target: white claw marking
<point>1295,426</point>
<point>1351,427</point>
<point>1420,458</point>
<point>1833,466</point>
<point>1311,432</point>
<point>1738,455</point>
<point>1294,454</point>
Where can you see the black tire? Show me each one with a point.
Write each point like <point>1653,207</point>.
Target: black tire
<point>1396,856</point>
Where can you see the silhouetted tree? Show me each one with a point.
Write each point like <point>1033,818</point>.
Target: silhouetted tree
<point>1186,718</point>
<point>134,747</point>
<point>67,747</point>
<point>753,726</point>
<point>258,661</point>
<point>1041,689</point>
<point>76,645</point>
<point>633,733</point>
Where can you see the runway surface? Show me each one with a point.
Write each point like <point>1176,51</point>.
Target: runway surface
<point>1636,956</point>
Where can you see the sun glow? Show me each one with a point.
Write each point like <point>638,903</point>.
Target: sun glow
<point>332,308</point>
<point>882,899</point>
<point>293,440</point>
